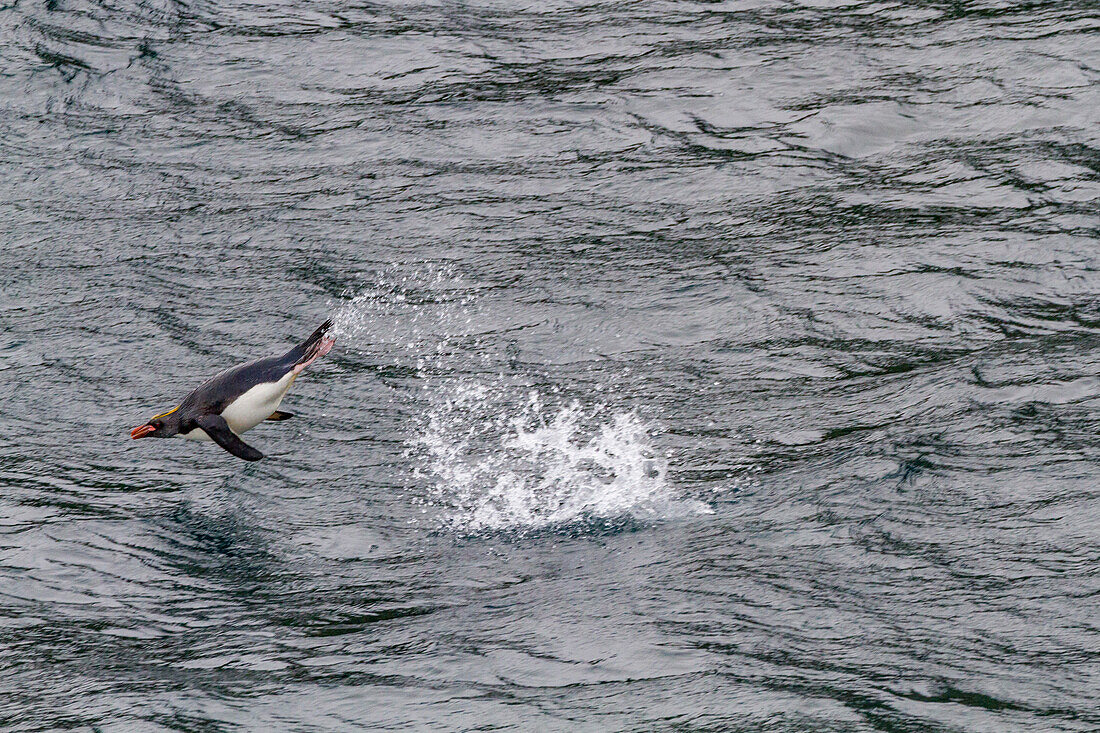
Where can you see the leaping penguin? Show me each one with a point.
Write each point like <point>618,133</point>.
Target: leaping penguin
<point>239,399</point>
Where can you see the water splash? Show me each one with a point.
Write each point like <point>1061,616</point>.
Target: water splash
<point>497,465</point>
<point>497,450</point>
<point>405,311</point>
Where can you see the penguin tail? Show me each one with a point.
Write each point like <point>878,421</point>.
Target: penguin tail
<point>317,345</point>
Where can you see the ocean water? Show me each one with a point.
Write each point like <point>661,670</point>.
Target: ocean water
<point>701,366</point>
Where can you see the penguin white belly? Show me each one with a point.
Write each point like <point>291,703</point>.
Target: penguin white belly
<point>251,408</point>
<point>256,405</point>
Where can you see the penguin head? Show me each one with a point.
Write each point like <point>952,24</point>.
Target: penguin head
<point>161,426</point>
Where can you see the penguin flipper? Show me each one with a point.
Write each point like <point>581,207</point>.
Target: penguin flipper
<point>279,415</point>
<point>218,430</point>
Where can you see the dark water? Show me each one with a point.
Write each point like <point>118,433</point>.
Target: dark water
<point>703,366</point>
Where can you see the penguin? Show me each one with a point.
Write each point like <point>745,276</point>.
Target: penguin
<point>238,399</point>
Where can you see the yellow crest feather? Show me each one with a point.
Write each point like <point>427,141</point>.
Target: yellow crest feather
<point>166,414</point>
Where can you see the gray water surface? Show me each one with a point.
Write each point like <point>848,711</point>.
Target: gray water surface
<point>702,366</point>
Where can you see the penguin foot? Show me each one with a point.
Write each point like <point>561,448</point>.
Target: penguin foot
<point>320,349</point>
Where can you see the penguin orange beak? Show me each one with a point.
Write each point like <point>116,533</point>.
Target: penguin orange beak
<point>142,431</point>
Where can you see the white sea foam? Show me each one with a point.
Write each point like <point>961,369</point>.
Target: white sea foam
<point>497,465</point>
